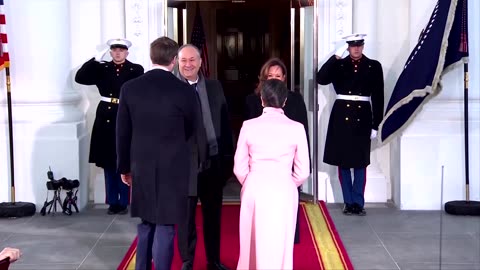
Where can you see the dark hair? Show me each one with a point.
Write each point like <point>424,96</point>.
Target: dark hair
<point>163,50</point>
<point>262,77</point>
<point>274,93</point>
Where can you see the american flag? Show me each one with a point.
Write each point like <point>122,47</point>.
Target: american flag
<point>4,58</point>
<point>442,44</point>
<point>198,39</point>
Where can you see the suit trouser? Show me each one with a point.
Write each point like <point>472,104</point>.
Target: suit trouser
<point>210,193</point>
<point>154,242</point>
<point>353,192</point>
<point>117,193</point>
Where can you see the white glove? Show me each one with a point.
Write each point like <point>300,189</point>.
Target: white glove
<point>340,51</point>
<point>373,135</point>
<point>101,54</point>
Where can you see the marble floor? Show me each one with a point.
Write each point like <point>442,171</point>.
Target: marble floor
<point>386,238</point>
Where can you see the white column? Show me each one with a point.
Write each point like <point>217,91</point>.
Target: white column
<point>335,20</point>
<point>365,21</point>
<point>144,22</point>
<point>87,38</point>
<point>49,128</point>
<point>112,19</point>
<point>391,50</point>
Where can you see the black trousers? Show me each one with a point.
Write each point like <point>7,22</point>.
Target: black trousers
<point>210,193</point>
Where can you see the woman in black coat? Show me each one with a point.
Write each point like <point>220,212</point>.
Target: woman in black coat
<point>294,108</point>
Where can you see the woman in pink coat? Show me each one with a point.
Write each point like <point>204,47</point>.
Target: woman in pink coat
<point>269,146</point>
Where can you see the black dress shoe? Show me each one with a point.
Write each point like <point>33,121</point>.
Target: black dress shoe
<point>216,266</point>
<point>358,210</point>
<point>348,209</point>
<point>187,265</point>
<point>112,210</point>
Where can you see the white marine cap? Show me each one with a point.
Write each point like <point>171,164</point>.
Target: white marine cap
<point>119,43</point>
<point>355,39</point>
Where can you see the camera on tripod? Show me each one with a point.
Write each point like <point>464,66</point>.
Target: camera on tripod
<point>63,183</point>
<point>71,188</point>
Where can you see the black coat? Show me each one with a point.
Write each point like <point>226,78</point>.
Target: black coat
<point>199,152</point>
<point>351,122</point>
<point>157,118</point>
<point>223,131</point>
<point>294,108</point>
<point>104,76</point>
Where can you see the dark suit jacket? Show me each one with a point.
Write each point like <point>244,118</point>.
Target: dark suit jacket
<point>4,264</point>
<point>199,152</point>
<point>156,119</point>
<point>223,131</point>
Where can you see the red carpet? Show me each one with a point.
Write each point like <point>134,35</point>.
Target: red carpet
<point>306,254</point>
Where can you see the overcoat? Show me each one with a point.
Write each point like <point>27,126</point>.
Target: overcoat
<point>351,122</point>
<point>108,77</point>
<point>156,120</point>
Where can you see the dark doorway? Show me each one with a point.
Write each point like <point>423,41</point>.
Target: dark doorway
<point>248,34</point>
<point>240,37</point>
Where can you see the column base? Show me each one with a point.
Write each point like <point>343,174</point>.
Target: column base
<point>329,188</point>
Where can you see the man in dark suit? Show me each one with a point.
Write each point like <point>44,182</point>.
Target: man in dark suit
<point>109,77</point>
<point>208,187</point>
<point>356,114</point>
<point>155,124</point>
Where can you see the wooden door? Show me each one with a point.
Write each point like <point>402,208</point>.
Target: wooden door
<point>242,48</point>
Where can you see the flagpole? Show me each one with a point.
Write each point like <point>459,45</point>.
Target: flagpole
<point>10,134</point>
<point>12,209</point>
<point>465,113</point>
<point>464,207</point>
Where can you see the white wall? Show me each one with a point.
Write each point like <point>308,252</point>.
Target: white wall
<point>49,128</point>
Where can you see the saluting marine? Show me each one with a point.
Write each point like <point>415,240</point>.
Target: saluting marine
<point>355,116</point>
<point>109,78</point>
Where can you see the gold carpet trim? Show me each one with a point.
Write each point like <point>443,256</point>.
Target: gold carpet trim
<point>324,238</point>
<point>329,257</point>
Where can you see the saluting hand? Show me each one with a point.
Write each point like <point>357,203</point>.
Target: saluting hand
<point>101,54</point>
<point>127,179</point>
<point>340,51</point>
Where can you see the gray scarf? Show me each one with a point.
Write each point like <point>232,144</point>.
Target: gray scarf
<point>207,116</point>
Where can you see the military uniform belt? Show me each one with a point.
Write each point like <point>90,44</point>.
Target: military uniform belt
<point>353,97</point>
<point>110,99</point>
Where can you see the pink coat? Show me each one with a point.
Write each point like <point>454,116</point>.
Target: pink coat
<point>271,161</point>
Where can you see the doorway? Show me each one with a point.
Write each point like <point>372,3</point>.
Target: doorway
<point>240,35</point>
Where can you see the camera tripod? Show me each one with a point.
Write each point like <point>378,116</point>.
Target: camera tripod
<point>70,200</point>
<point>53,203</point>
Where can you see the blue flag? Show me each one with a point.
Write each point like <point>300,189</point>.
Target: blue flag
<point>441,44</point>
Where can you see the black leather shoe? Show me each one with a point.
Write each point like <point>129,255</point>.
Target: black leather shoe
<point>216,266</point>
<point>187,266</point>
<point>112,210</point>
<point>358,210</point>
<point>348,209</point>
